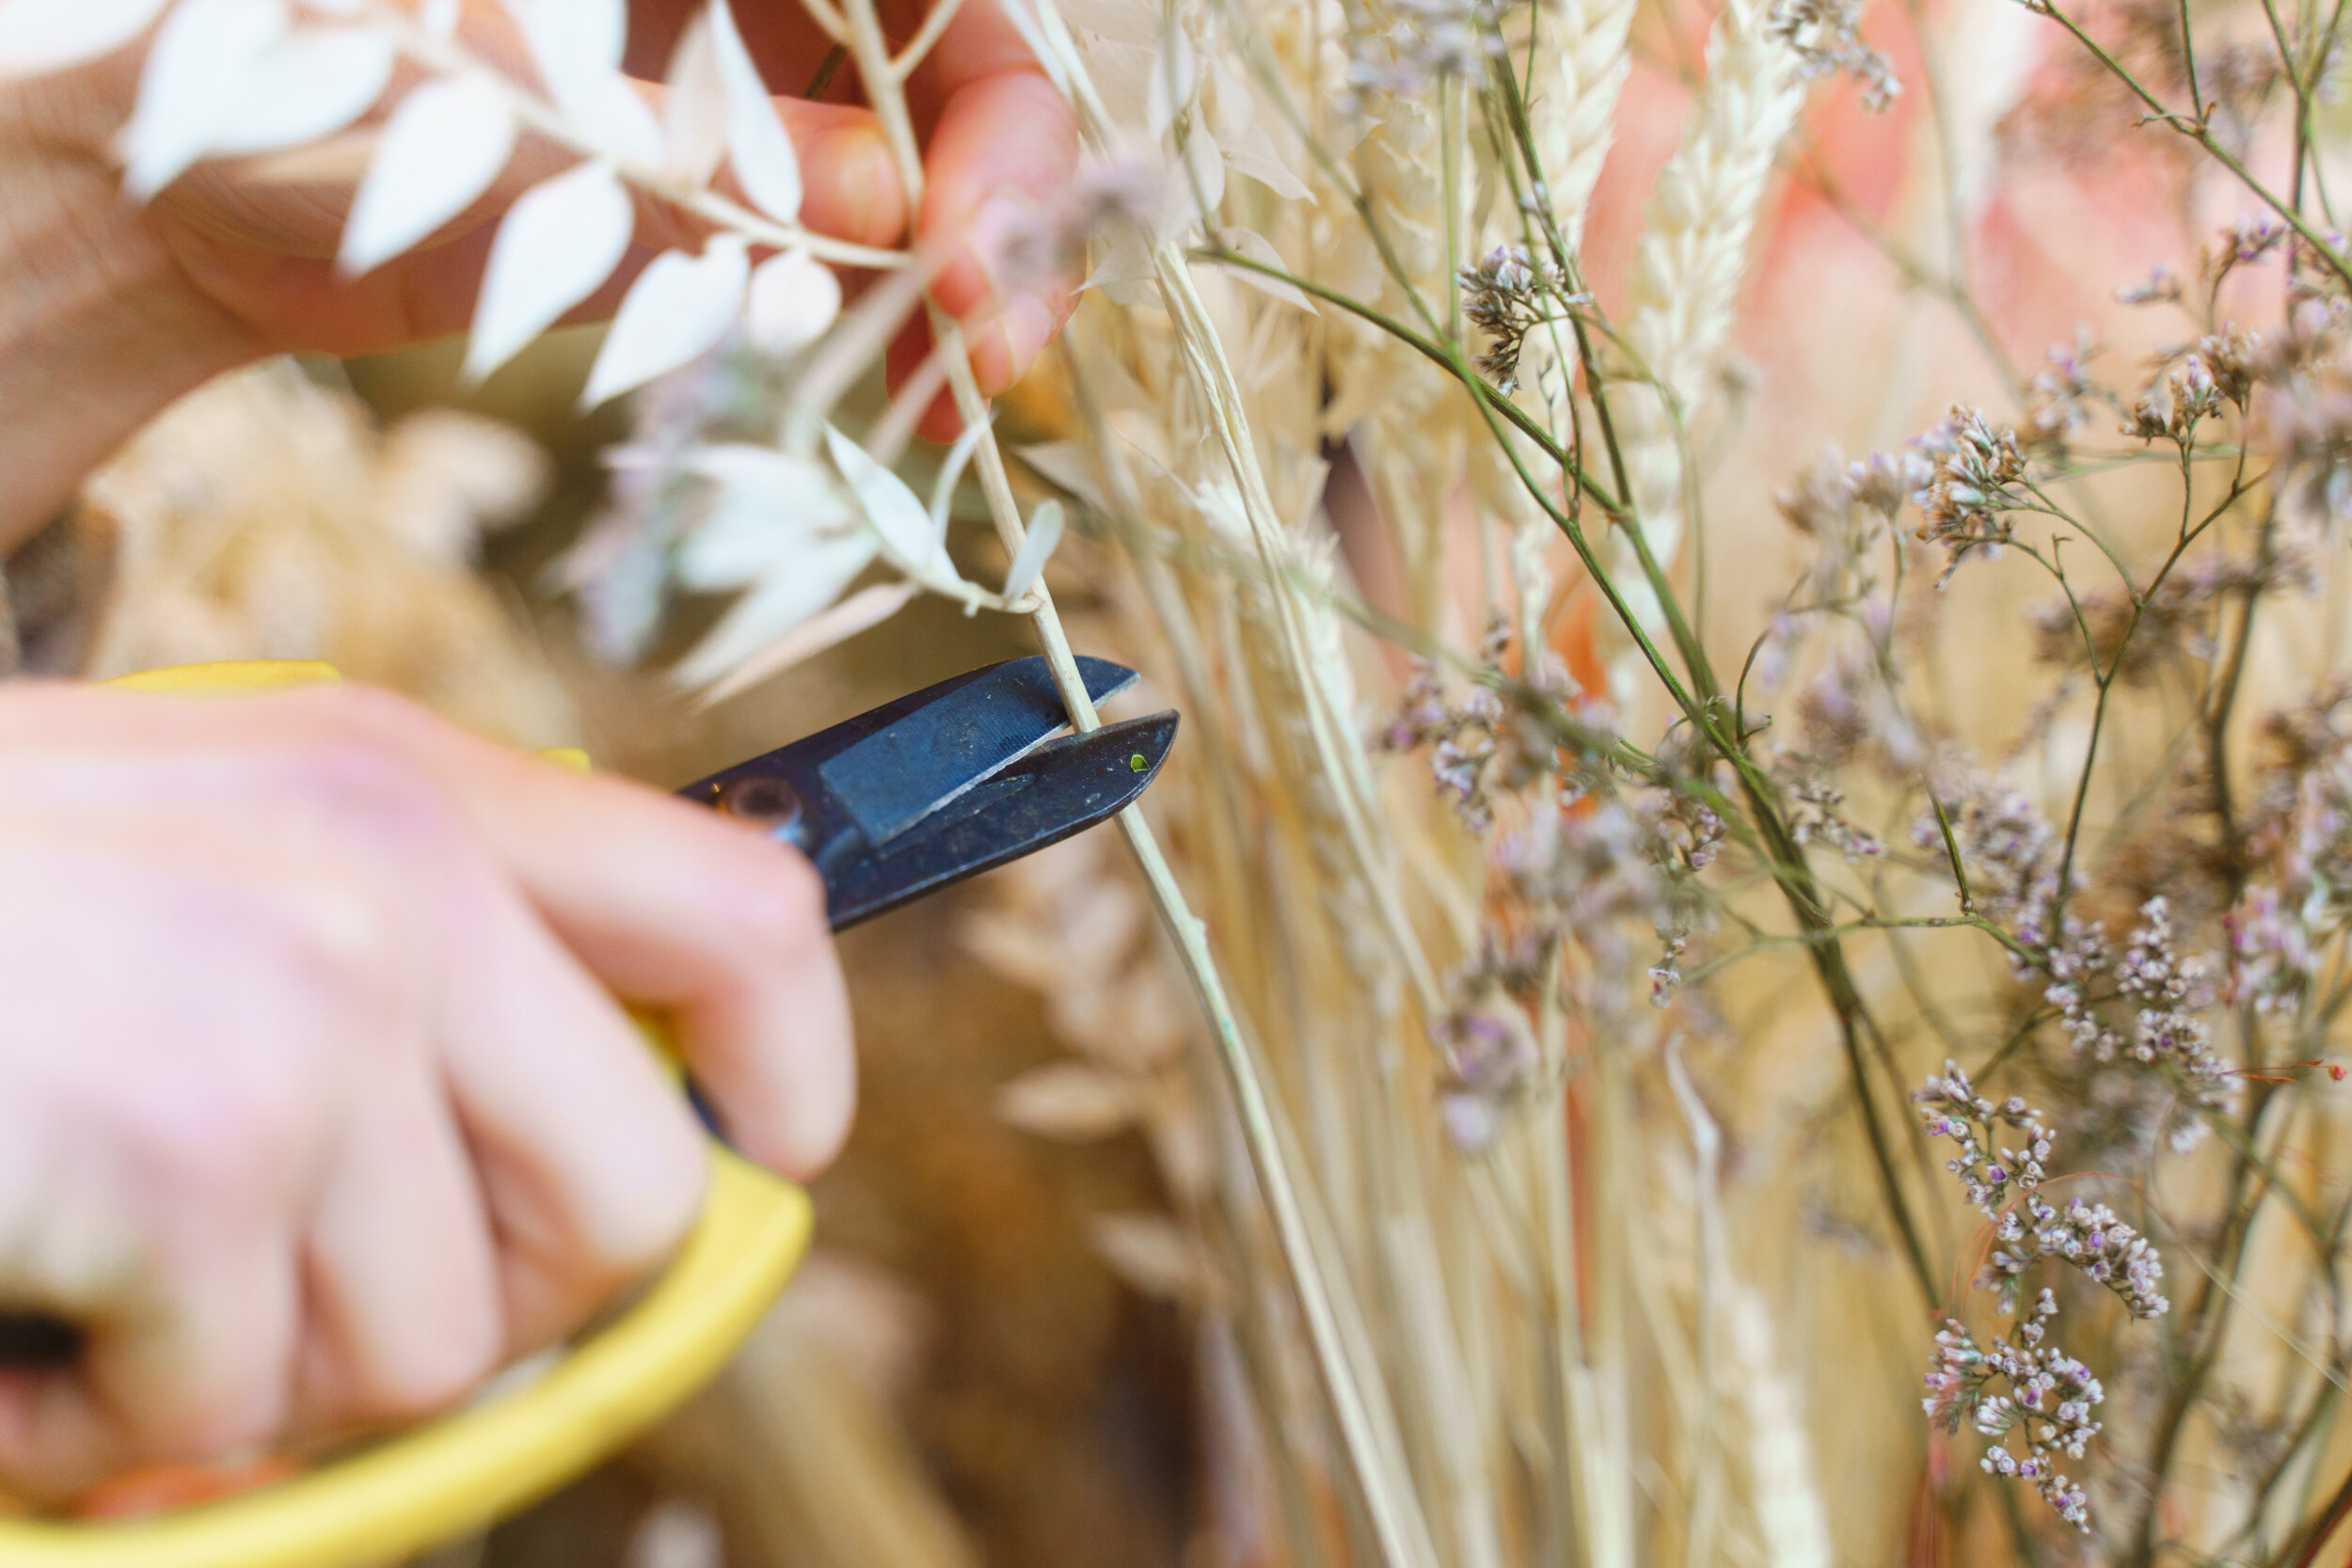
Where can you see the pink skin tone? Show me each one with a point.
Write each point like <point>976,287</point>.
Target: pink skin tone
<point>318,1100</point>
<point>321,1102</point>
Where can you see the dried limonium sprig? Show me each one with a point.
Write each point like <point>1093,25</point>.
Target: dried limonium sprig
<point>1817,815</point>
<point>2058,395</point>
<point>1825,36</point>
<point>1425,42</point>
<point>2144,1010</point>
<point>1987,1169</point>
<point>1843,508</point>
<point>1489,1047</point>
<point>1507,295</point>
<point>2049,1396</point>
<point>2175,402</point>
<point>2049,1401</point>
<point>2130,637</point>
<point>2298,899</point>
<point>1967,499</point>
<point>1479,747</point>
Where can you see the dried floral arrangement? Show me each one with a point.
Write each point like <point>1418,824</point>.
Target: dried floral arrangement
<point>1647,1027</point>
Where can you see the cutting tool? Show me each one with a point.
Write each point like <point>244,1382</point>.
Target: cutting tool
<point>889,806</point>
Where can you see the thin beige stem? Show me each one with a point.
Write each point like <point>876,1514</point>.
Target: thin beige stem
<point>827,16</point>
<point>943,13</point>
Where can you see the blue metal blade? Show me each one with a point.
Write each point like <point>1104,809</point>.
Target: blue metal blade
<point>1063,787</point>
<point>902,772</point>
<point>950,779</point>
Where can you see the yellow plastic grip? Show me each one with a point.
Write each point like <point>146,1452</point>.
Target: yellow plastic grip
<point>418,1490</point>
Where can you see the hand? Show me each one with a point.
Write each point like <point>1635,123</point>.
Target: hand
<point>316,1104</point>
<point>109,310</point>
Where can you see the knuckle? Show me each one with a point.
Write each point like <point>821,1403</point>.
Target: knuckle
<point>310,974</point>
<point>357,782</point>
<point>232,1143</point>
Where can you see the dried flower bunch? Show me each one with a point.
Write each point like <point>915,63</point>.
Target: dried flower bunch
<point>1589,869</point>
<point>1520,1319</point>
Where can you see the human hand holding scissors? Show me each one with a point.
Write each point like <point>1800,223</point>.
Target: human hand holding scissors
<point>890,805</point>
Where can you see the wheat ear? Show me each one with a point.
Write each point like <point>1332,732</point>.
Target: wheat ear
<point>1685,279</point>
<point>1594,60</point>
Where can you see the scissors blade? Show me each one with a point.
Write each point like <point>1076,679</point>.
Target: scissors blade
<point>945,782</point>
<point>1058,790</point>
<point>885,770</point>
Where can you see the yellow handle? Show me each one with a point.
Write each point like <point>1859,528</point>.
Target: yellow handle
<point>418,1490</point>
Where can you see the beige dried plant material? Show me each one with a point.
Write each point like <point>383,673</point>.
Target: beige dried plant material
<point>264,516</point>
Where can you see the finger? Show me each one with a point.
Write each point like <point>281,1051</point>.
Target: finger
<point>163,1230</point>
<point>401,1287</point>
<point>850,185</point>
<point>1002,149</point>
<point>664,903</point>
<point>719,928</point>
<point>671,905</point>
<point>590,1162</point>
<point>201,1373</point>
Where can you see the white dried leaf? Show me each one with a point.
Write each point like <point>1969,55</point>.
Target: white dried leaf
<point>1151,1253</point>
<point>40,35</point>
<point>861,611</point>
<point>778,480</point>
<point>1251,153</point>
<point>196,76</point>
<point>678,307</point>
<point>762,154</point>
<point>694,113</point>
<point>1070,1101</point>
<point>1244,242</point>
<point>904,526</point>
<point>797,589</point>
<point>770,505</point>
<point>1174,79</point>
<point>1196,195</point>
<point>1045,525</point>
<point>577,45</point>
<point>794,299</point>
<point>561,240</point>
<point>306,86</point>
<point>1069,464</point>
<point>574,43</point>
<point>1231,105</point>
<point>1124,270</point>
<point>615,119</point>
<point>439,151</point>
